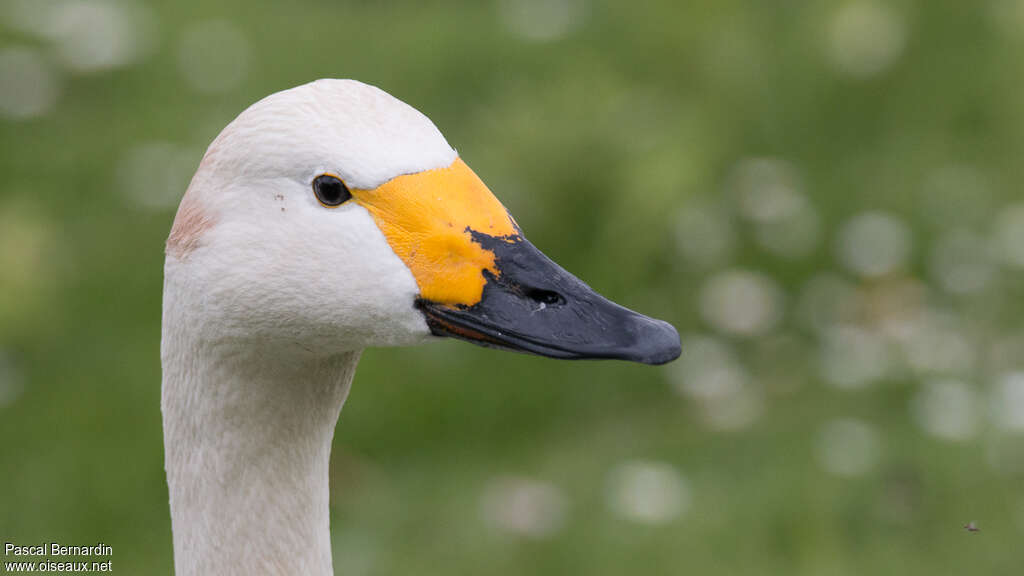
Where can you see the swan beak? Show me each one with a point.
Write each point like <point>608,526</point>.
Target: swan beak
<point>480,280</point>
<point>533,305</point>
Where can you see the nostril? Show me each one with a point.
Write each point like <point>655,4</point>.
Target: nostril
<point>546,297</point>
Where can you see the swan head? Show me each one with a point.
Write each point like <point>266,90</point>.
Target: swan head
<point>333,217</point>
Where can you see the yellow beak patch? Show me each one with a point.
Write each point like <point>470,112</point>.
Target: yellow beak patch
<point>427,218</point>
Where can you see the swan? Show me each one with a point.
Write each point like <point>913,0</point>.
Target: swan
<point>323,220</point>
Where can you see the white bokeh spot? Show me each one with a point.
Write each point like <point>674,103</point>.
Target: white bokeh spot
<point>866,38</point>
<point>648,492</point>
<point>29,86</point>
<point>741,303</point>
<point>874,244</point>
<point>523,507</point>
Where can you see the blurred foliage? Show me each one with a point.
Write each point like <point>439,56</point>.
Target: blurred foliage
<point>601,126</point>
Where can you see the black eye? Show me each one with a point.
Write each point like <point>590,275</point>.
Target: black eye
<point>330,190</point>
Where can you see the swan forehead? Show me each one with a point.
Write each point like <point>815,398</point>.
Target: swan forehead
<point>344,127</point>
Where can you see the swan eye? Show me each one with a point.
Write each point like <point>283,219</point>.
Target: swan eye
<point>330,190</point>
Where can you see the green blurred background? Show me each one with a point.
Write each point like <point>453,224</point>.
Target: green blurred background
<point>824,197</point>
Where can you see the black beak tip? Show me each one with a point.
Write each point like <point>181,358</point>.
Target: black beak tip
<point>657,342</point>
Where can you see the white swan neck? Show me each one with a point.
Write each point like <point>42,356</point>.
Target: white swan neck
<point>247,442</point>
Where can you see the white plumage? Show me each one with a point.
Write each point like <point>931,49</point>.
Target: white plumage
<point>265,315</point>
<point>270,296</point>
